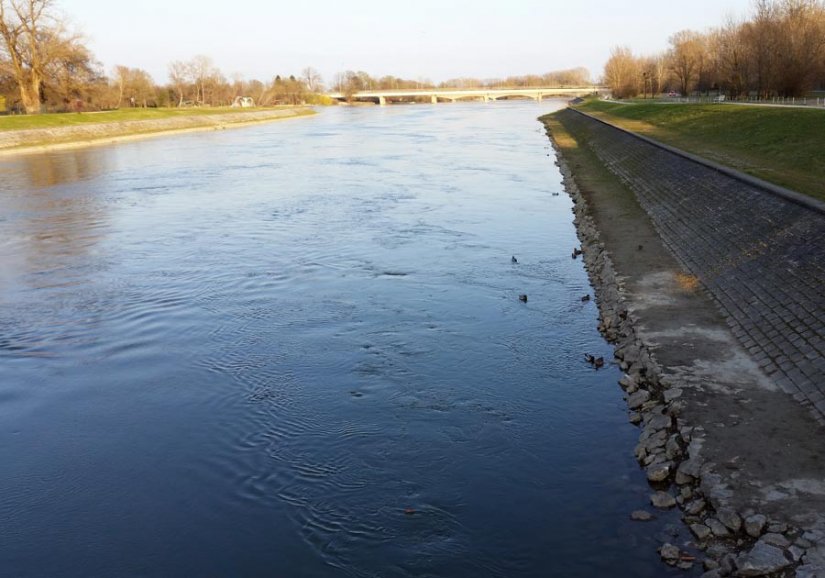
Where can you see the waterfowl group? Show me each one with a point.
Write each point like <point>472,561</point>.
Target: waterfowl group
<point>596,362</point>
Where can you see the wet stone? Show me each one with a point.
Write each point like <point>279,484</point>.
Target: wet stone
<point>730,519</point>
<point>690,468</point>
<point>627,382</point>
<point>673,449</point>
<point>717,551</point>
<point>796,553</point>
<point>653,459</point>
<point>696,507</point>
<point>669,553</point>
<point>812,536</point>
<point>809,571</point>
<point>658,472</point>
<point>754,525</point>
<point>682,479</point>
<point>641,516</point>
<point>714,486</point>
<point>638,399</point>
<point>663,500</point>
<point>701,531</point>
<point>777,540</point>
<point>672,394</point>
<point>727,565</point>
<point>650,406</point>
<point>761,560</point>
<point>657,440</point>
<point>660,422</point>
<point>718,528</point>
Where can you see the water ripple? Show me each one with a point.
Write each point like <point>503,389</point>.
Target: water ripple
<point>298,350</point>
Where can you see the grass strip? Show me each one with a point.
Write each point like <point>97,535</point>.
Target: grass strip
<point>781,145</point>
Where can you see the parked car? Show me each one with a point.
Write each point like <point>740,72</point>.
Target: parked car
<point>719,98</point>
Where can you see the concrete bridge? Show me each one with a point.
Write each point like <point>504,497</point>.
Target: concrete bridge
<point>436,95</point>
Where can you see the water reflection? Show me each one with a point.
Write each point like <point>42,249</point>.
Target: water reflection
<point>51,215</point>
<point>64,167</point>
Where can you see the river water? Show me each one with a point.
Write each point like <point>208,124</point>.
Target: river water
<point>297,349</point>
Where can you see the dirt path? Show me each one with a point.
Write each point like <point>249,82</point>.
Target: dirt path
<point>742,458</point>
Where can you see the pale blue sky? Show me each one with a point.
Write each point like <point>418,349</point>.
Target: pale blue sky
<point>407,38</point>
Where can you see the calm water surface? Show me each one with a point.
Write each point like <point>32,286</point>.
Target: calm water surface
<point>246,353</point>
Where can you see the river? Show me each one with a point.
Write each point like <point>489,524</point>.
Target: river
<point>297,349</point>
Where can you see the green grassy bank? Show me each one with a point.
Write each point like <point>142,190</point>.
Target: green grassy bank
<point>782,145</point>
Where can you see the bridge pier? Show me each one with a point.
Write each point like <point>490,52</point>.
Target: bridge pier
<point>382,101</point>
<point>434,99</point>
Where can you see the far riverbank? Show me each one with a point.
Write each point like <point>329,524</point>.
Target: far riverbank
<point>94,133</point>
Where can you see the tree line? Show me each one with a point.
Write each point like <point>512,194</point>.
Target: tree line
<point>350,82</point>
<point>45,66</point>
<point>778,51</point>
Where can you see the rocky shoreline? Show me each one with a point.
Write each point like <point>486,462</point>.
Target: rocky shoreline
<point>743,542</point>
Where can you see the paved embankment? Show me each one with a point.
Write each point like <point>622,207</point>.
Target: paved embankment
<point>717,437</point>
<point>17,141</point>
<point>760,255</point>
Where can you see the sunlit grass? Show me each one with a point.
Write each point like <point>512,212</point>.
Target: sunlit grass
<point>780,145</point>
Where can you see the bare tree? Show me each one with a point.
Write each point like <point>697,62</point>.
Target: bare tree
<point>622,73</point>
<point>801,45</point>
<point>179,76</point>
<point>571,77</point>
<point>135,85</point>
<point>206,77</point>
<point>71,73</point>
<point>312,79</point>
<point>32,36</point>
<point>200,69</point>
<point>687,59</point>
<point>121,78</point>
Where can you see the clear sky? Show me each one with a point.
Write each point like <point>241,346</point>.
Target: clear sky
<point>433,39</point>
